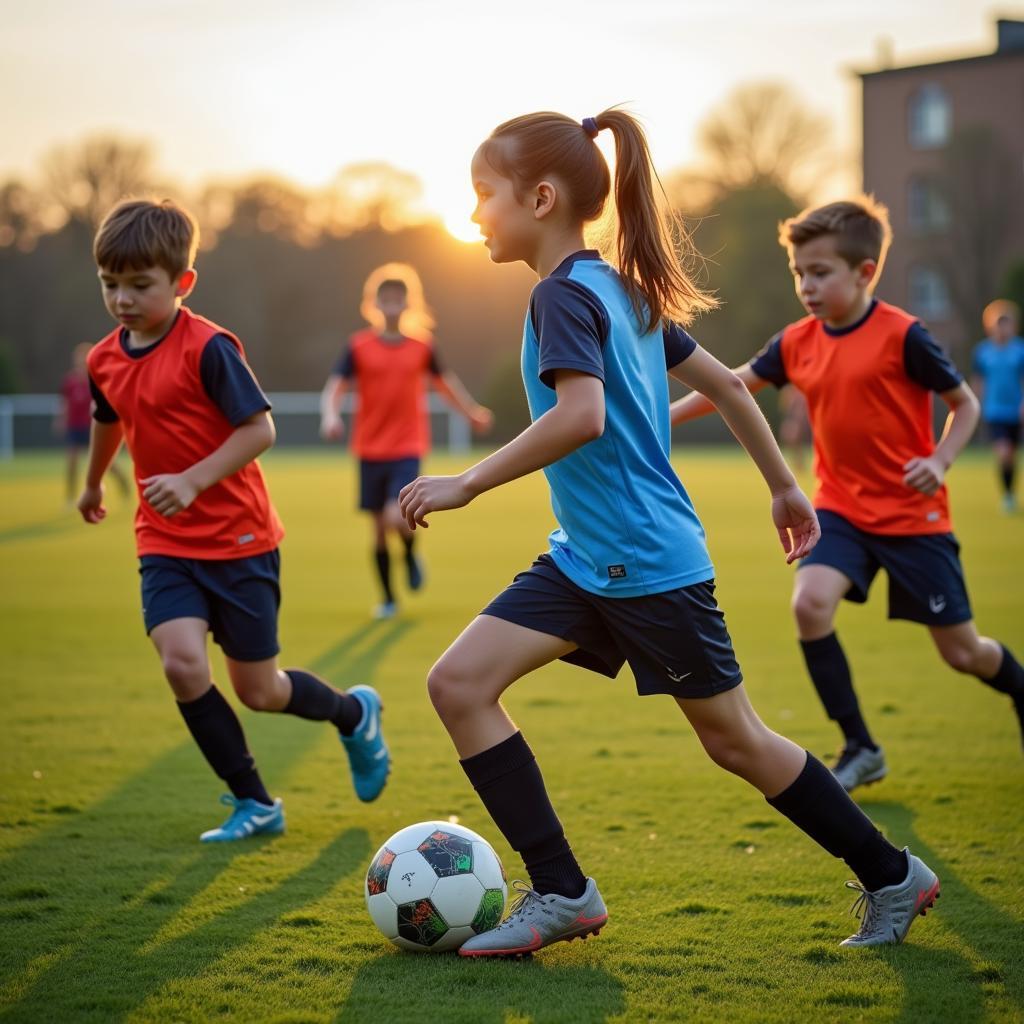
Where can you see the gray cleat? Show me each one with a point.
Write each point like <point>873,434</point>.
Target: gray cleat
<point>887,914</point>
<point>857,766</point>
<point>535,921</point>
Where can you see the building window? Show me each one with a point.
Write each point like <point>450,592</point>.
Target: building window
<point>930,117</point>
<point>927,209</point>
<point>929,297</point>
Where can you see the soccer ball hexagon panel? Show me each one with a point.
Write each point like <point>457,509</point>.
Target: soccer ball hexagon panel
<point>433,885</point>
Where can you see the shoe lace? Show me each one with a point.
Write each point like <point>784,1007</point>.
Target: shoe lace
<point>866,907</point>
<point>524,903</point>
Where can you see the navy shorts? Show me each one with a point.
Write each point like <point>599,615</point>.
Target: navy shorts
<point>1004,431</point>
<point>675,642</point>
<point>238,597</point>
<point>76,437</point>
<point>926,581</point>
<point>381,480</point>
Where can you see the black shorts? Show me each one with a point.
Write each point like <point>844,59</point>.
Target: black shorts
<point>675,642</point>
<point>1004,431</point>
<point>238,597</point>
<point>381,480</point>
<point>926,581</point>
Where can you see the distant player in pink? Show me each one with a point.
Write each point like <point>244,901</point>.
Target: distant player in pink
<point>389,365</point>
<point>74,419</point>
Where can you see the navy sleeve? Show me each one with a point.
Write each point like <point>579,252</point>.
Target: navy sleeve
<point>434,366</point>
<point>571,327</point>
<point>926,363</point>
<point>103,411</point>
<point>678,345</point>
<point>229,382</point>
<point>768,364</point>
<point>346,364</point>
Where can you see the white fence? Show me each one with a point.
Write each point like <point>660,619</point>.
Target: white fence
<point>25,420</point>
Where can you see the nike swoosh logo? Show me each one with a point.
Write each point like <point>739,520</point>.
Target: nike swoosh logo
<point>371,729</point>
<point>678,679</point>
<point>259,820</point>
<point>600,919</point>
<point>380,754</point>
<point>936,604</point>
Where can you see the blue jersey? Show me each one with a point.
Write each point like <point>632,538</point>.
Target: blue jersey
<point>1001,367</point>
<point>626,526</point>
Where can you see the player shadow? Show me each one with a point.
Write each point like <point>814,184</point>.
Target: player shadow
<point>41,528</point>
<point>97,886</point>
<point>996,938</point>
<point>411,987</point>
<point>355,657</point>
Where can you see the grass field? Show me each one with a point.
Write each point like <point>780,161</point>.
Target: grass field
<point>720,910</point>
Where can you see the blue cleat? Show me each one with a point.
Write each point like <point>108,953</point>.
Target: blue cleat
<point>414,567</point>
<point>367,753</point>
<point>249,818</point>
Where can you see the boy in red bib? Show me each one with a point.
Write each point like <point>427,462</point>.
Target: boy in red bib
<point>177,390</point>
<point>868,371</point>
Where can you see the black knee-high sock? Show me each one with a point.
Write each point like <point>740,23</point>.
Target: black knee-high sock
<point>1009,679</point>
<point>410,543</point>
<point>383,560</point>
<point>511,787</point>
<point>318,701</point>
<point>817,804</point>
<point>830,673</point>
<point>1008,473</point>
<point>216,729</point>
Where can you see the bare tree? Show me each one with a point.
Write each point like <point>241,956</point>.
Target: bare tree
<point>371,195</point>
<point>762,135</point>
<point>85,180</point>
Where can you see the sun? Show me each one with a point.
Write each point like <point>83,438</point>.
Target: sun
<point>459,226</point>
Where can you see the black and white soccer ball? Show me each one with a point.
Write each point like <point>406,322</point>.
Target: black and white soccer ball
<point>433,885</point>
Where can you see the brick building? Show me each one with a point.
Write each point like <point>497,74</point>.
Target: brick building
<point>943,148</point>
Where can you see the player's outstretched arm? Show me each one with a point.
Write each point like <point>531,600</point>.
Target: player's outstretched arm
<point>331,426</point>
<point>577,417</point>
<point>697,404</point>
<point>926,473</point>
<point>792,513</point>
<point>104,442</point>
<point>170,493</point>
<point>454,392</point>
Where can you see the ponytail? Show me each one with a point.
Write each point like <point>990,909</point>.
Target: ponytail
<point>652,249</point>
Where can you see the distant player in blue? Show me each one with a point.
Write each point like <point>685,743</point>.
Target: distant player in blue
<point>627,577</point>
<point>998,367</point>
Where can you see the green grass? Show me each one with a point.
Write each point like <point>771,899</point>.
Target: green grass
<point>720,910</point>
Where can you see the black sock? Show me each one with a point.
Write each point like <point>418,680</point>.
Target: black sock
<point>383,558</point>
<point>216,729</point>
<point>830,673</point>
<point>318,701</point>
<point>511,787</point>
<point>817,804</point>
<point>1008,473</point>
<point>1009,678</point>
<point>410,543</point>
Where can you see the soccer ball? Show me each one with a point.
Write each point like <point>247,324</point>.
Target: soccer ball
<point>433,885</point>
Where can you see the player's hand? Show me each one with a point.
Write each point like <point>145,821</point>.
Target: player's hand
<point>924,475</point>
<point>481,420</point>
<point>169,493</point>
<point>333,429</point>
<point>90,505</point>
<point>431,494</point>
<point>797,523</point>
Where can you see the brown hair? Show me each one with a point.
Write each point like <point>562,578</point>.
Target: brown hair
<point>417,320</point>
<point>996,310</point>
<point>860,227</point>
<point>142,233</point>
<point>652,248</point>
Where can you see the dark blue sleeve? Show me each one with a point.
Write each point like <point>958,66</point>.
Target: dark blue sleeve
<point>926,363</point>
<point>678,345</point>
<point>103,411</point>
<point>229,382</point>
<point>768,364</point>
<point>434,366</point>
<point>346,364</point>
<point>571,327</point>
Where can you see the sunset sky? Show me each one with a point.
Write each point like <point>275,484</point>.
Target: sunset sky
<point>224,89</point>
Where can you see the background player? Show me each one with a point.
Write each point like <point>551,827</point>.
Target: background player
<point>389,364</point>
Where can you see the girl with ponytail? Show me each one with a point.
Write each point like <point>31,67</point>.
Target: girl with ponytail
<point>627,577</point>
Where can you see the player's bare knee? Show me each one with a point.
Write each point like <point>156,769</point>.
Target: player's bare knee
<point>961,657</point>
<point>449,688</point>
<point>256,698</point>
<point>184,670</point>
<point>812,612</point>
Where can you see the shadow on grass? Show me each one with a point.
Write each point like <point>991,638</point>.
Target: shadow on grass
<point>43,528</point>
<point>81,903</point>
<point>410,987</point>
<point>995,937</point>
